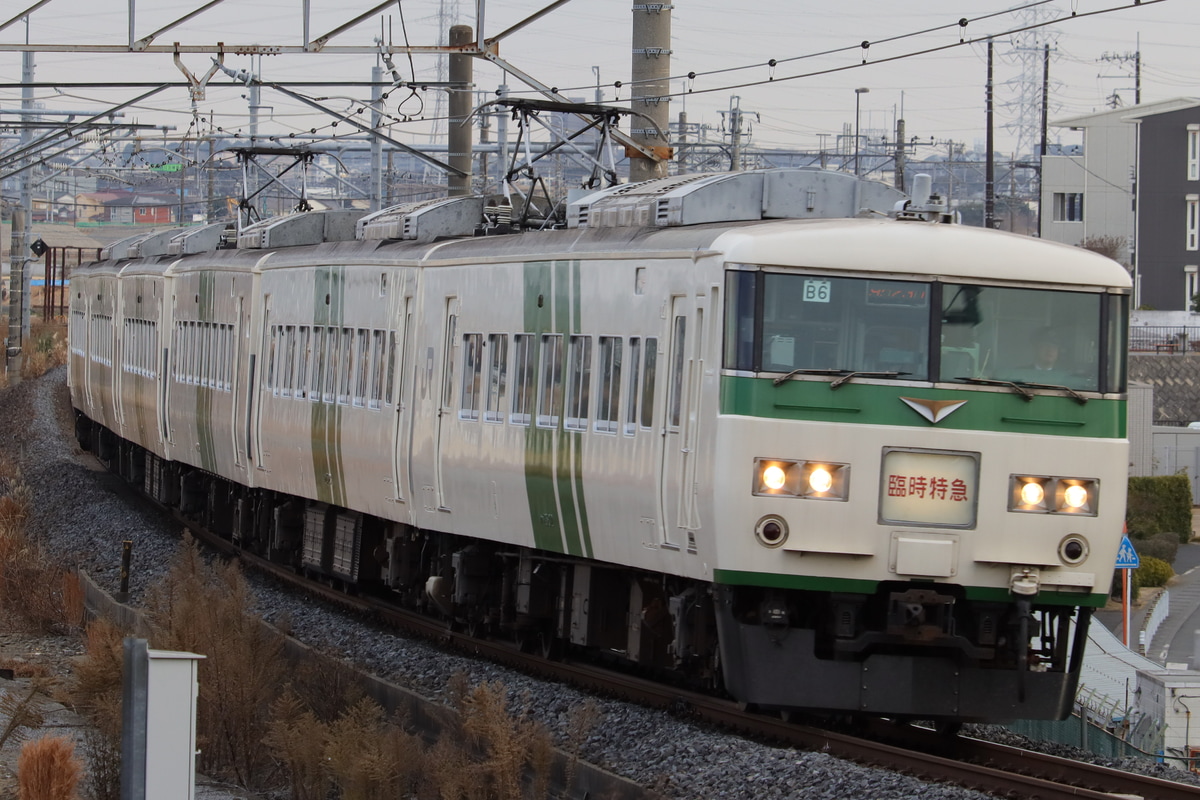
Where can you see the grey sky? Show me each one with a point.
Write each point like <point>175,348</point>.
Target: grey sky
<point>942,93</point>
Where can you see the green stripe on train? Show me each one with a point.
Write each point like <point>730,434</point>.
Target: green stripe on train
<point>326,420</point>
<point>204,394</point>
<point>730,577</point>
<point>868,404</point>
<point>553,456</point>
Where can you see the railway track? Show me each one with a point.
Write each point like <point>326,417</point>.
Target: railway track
<point>925,754</point>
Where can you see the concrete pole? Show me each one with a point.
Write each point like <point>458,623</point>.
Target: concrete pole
<point>901,156</point>
<point>460,138</point>
<point>376,198</point>
<point>651,85</point>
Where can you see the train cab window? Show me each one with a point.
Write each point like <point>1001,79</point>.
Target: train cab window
<point>550,392</point>
<point>609,395</point>
<point>497,377</point>
<point>472,375</point>
<point>649,374</point>
<point>823,322</point>
<point>631,396</point>
<point>1026,336</point>
<point>579,386</point>
<point>524,372</point>
<point>739,320</point>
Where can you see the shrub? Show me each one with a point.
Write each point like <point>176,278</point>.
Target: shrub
<point>1160,504</point>
<point>1162,546</point>
<point>48,770</point>
<point>1153,572</point>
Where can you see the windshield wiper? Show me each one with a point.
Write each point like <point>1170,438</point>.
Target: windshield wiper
<point>1028,395</point>
<point>807,371</point>
<point>846,374</point>
<point>1078,397</point>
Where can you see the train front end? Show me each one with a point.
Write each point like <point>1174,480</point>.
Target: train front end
<point>922,468</point>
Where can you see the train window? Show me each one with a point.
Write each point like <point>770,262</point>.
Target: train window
<point>391,368</point>
<point>332,362</point>
<point>448,362</point>
<point>675,395</point>
<point>472,375</point>
<point>289,360</point>
<point>631,397</point>
<point>524,370</point>
<point>497,377</point>
<point>271,346</point>
<point>317,373</point>
<point>580,382</point>
<point>1027,336</point>
<point>1118,346</point>
<point>305,359</point>
<point>820,322</point>
<point>739,320</point>
<point>363,364</point>
<point>550,394</point>
<point>379,367</point>
<point>649,373</point>
<point>609,396</point>
<point>346,366</point>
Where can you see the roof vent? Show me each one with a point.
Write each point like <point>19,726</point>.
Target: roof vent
<point>197,240</point>
<point>306,227</point>
<point>424,221</point>
<point>140,245</point>
<point>732,196</point>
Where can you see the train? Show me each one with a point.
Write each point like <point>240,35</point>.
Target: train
<point>783,434</point>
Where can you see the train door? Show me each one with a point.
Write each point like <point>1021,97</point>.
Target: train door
<point>397,384</point>
<point>676,456</point>
<point>446,397</point>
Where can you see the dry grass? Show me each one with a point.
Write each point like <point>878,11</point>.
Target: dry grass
<point>23,712</point>
<point>48,770</point>
<point>35,590</point>
<point>46,349</point>
<point>205,609</point>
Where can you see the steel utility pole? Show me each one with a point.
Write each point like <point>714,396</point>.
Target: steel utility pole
<point>22,214</point>
<point>461,129</point>
<point>651,84</point>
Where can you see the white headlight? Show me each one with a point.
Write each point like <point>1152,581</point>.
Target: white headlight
<point>1032,493</point>
<point>819,480</point>
<point>1075,496</point>
<point>774,477</point>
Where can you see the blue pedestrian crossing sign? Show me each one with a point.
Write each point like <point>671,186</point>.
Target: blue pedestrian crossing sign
<point>1127,557</point>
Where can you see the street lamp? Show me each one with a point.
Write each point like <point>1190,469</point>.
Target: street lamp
<point>858,93</point>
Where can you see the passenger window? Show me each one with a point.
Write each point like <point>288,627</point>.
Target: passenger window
<point>379,364</point>
<point>305,356</point>
<point>472,371</point>
<point>391,368</point>
<point>320,337</point>
<point>675,397</point>
<point>289,358</point>
<point>550,398</point>
<point>524,370</point>
<point>363,363</point>
<point>580,386</point>
<point>631,395</point>
<point>649,374</point>
<point>609,396</point>
<point>346,354</point>
<point>497,377</point>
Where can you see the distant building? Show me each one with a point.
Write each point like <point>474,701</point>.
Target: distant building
<point>128,208</point>
<point>1127,158</point>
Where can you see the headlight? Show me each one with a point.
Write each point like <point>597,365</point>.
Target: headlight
<point>813,480</point>
<point>1045,494</point>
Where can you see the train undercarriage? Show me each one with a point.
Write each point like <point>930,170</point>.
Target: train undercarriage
<point>910,650</point>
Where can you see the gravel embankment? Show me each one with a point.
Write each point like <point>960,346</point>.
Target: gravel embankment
<point>79,516</point>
